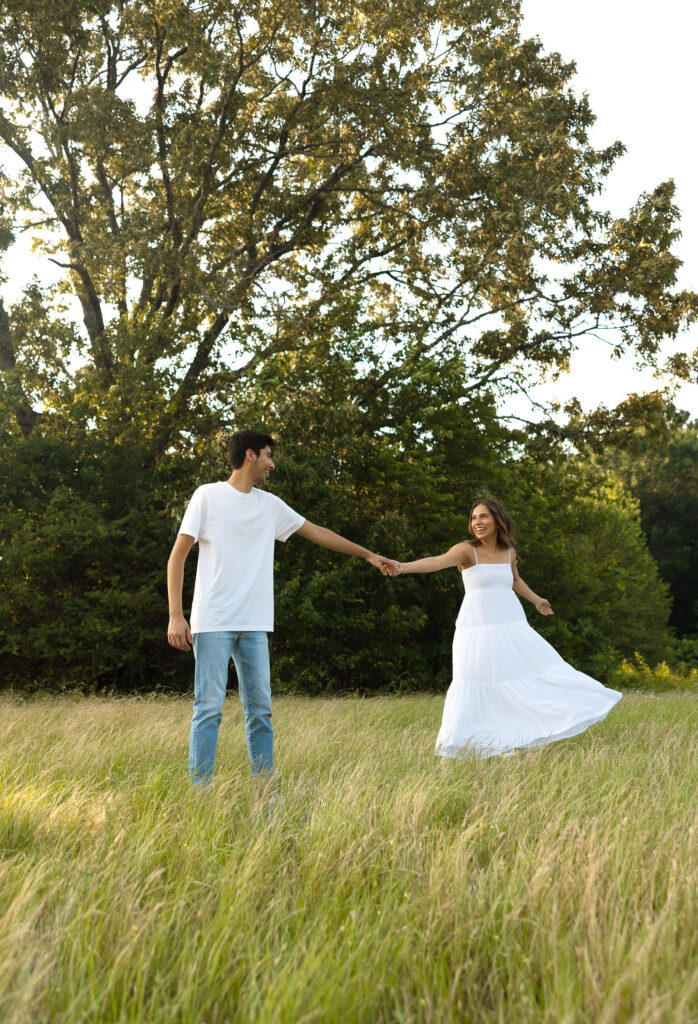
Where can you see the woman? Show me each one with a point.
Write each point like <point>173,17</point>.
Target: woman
<point>510,688</point>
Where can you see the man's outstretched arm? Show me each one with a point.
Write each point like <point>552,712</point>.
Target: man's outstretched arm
<point>335,542</point>
<point>178,632</point>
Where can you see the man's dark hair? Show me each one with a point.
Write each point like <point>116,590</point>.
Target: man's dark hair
<point>241,440</point>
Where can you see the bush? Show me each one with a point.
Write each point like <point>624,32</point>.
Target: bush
<point>637,675</point>
<point>684,653</point>
<point>85,535</point>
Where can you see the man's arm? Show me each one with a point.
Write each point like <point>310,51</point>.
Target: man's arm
<point>178,632</point>
<point>335,542</point>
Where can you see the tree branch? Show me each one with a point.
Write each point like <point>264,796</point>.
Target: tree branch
<point>82,281</point>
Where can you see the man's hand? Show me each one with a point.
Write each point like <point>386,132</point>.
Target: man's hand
<point>178,633</point>
<point>384,564</point>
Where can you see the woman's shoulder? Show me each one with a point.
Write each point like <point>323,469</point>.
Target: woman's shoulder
<point>468,558</point>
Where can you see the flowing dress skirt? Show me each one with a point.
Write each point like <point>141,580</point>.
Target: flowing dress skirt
<point>510,688</point>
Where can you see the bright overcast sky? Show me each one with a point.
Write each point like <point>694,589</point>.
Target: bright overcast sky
<point>636,60</point>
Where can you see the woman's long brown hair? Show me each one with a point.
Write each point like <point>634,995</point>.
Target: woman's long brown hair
<point>503,521</point>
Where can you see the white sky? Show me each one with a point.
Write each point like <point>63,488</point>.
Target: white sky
<point>636,61</point>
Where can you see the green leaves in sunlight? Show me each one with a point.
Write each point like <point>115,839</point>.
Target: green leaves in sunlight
<point>211,179</point>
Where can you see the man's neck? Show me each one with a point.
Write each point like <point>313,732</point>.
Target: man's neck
<point>240,480</point>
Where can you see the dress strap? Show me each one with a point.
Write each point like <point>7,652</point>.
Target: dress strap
<point>509,557</point>
<point>475,553</point>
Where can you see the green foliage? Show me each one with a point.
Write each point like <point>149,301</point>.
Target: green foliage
<point>684,653</point>
<point>658,464</point>
<point>84,535</point>
<point>212,178</point>
<point>582,546</point>
<point>665,481</point>
<point>358,228</point>
<point>635,673</point>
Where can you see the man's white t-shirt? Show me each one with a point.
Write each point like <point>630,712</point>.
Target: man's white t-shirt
<point>236,531</point>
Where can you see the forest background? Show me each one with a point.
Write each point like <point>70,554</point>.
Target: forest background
<point>360,228</point>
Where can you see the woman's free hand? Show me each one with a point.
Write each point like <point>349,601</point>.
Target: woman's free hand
<point>543,607</point>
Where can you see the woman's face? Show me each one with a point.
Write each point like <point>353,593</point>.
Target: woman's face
<point>482,524</point>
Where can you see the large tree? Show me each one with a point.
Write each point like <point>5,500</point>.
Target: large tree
<point>212,177</point>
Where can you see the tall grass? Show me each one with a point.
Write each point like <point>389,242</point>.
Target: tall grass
<point>556,885</point>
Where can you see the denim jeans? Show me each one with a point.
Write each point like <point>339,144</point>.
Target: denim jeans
<point>250,653</point>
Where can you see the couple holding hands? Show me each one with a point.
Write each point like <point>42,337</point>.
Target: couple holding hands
<point>510,688</point>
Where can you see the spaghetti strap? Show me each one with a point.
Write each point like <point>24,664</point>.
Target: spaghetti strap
<point>475,553</point>
<point>509,557</point>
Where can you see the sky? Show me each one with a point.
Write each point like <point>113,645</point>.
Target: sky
<point>636,61</point>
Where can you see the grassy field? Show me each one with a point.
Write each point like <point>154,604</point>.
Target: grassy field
<point>551,886</point>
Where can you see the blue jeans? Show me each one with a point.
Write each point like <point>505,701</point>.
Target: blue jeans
<point>250,652</point>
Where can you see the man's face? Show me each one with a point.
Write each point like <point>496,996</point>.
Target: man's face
<point>263,465</point>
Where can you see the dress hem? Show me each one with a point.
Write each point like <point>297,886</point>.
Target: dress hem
<point>492,749</point>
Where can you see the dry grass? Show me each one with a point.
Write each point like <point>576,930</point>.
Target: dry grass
<point>552,886</point>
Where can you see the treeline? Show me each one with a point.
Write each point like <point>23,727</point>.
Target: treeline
<point>87,528</point>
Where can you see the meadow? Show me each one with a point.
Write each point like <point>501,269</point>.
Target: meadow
<point>557,885</point>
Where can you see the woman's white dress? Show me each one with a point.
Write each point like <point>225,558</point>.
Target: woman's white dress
<point>510,688</point>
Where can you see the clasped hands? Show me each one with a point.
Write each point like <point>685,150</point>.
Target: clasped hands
<point>388,566</point>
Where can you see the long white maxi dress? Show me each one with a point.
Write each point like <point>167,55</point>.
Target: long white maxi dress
<point>510,688</point>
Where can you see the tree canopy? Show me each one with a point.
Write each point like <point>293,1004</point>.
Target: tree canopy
<point>213,178</point>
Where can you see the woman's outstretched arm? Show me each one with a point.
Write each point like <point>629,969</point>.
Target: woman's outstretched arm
<point>457,555</point>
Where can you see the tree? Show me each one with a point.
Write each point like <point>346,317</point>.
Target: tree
<point>664,478</point>
<point>210,176</point>
<point>583,546</point>
<point>666,484</point>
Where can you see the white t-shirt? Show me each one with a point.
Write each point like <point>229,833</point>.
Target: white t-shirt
<point>236,531</point>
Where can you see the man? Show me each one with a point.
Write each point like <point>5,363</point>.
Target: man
<point>236,525</point>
